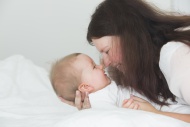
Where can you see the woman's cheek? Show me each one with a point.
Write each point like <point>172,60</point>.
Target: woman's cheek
<point>116,58</point>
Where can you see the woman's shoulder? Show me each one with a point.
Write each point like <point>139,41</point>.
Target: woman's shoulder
<point>167,52</point>
<point>169,49</point>
<point>175,61</point>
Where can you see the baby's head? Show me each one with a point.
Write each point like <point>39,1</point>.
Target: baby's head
<point>77,72</point>
<point>64,77</point>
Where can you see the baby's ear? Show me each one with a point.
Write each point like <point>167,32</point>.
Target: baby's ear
<point>85,88</point>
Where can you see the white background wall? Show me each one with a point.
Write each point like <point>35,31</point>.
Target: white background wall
<point>182,6</point>
<point>44,30</point>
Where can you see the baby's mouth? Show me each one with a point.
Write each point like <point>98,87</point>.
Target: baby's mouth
<point>105,74</point>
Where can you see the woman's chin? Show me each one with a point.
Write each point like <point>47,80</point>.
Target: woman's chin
<point>120,68</point>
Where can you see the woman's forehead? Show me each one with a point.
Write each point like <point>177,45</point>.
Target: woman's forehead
<point>105,42</point>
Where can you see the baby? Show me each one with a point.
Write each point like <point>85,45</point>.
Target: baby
<point>77,71</point>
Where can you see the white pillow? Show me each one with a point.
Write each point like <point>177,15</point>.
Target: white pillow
<point>26,88</point>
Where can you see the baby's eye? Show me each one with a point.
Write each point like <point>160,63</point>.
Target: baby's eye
<point>94,67</point>
<point>107,52</point>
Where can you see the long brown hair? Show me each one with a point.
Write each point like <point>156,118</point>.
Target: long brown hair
<point>142,30</point>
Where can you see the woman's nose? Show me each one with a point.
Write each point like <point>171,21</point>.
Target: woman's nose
<point>106,61</point>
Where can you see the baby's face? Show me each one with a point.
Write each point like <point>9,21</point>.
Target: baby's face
<point>92,74</point>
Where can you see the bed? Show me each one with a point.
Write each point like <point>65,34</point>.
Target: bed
<point>28,100</point>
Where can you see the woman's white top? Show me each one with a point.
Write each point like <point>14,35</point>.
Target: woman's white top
<point>175,65</point>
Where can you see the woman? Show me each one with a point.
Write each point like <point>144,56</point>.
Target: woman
<point>145,49</point>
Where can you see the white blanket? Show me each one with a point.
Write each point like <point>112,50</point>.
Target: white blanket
<point>28,100</point>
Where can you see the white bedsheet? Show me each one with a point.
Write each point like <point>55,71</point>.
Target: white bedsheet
<point>28,100</point>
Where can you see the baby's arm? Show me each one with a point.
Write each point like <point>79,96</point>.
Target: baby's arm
<point>141,104</point>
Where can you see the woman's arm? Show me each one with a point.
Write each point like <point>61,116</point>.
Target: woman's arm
<point>183,117</point>
<point>134,102</point>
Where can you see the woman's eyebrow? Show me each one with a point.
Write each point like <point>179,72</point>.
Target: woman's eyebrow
<point>102,50</point>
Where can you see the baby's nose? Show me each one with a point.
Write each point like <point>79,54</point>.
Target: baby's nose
<point>101,67</point>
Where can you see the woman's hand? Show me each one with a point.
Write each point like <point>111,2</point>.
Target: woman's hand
<point>144,105</point>
<point>129,103</point>
<point>79,103</point>
<point>139,104</point>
